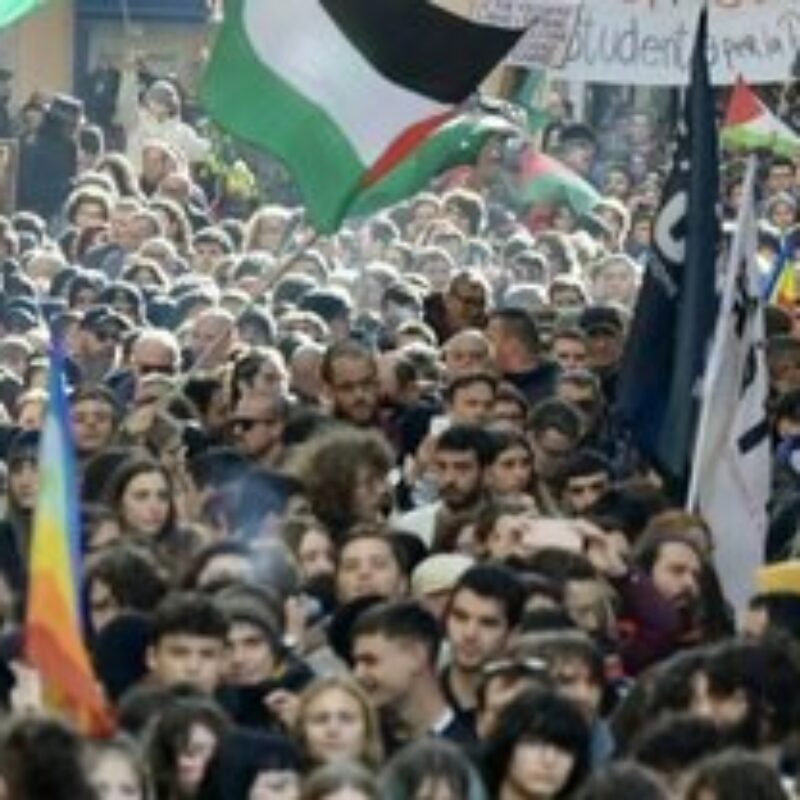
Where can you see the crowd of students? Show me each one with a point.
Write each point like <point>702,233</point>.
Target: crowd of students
<point>358,517</point>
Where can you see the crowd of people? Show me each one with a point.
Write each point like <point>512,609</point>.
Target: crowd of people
<point>359,519</point>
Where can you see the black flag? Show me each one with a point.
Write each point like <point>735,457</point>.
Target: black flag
<point>676,311</point>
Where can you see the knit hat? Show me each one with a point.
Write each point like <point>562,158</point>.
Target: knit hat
<point>238,607</point>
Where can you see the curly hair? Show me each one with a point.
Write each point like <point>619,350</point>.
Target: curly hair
<point>329,467</point>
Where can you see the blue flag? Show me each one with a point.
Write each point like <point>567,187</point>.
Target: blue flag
<point>674,320</point>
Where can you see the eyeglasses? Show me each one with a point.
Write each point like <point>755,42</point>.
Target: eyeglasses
<point>516,666</point>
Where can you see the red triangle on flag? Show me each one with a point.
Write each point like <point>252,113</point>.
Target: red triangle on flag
<point>744,105</point>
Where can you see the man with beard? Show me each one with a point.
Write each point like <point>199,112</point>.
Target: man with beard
<point>350,377</point>
<point>461,454</point>
<point>664,605</point>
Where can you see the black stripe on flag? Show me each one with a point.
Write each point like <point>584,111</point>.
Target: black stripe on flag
<point>420,46</point>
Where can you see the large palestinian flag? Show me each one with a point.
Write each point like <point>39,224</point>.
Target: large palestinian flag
<point>343,90</point>
<point>12,10</point>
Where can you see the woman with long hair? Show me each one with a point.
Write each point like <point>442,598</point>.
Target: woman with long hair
<point>142,496</point>
<point>117,771</point>
<point>539,749</point>
<point>180,745</point>
<point>431,768</point>
<point>337,722</point>
<point>15,528</point>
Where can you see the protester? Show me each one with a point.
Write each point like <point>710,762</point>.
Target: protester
<point>359,512</point>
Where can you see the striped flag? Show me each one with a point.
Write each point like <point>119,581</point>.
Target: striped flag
<point>541,180</point>
<point>457,142</point>
<point>342,91</point>
<point>750,124</point>
<point>54,644</point>
<point>731,468</point>
<point>12,10</point>
<point>781,287</point>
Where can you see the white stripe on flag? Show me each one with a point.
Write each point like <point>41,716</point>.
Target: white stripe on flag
<point>298,40</point>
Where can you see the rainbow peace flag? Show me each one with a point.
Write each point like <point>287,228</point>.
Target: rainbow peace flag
<point>782,287</point>
<point>54,642</point>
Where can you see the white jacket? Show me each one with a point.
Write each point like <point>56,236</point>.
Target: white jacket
<point>141,127</point>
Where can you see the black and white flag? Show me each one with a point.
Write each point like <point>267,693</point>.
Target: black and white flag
<point>731,469</point>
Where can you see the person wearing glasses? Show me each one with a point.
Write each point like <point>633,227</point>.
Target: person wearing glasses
<point>257,425</point>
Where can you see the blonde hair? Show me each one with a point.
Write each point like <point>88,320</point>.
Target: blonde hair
<point>372,750</point>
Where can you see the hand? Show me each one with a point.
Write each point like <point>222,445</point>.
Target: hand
<point>600,550</point>
<point>294,622</point>
<point>27,696</point>
<point>422,462</point>
<point>285,706</point>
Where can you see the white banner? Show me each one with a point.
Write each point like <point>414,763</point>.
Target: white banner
<point>649,42</point>
<point>553,24</point>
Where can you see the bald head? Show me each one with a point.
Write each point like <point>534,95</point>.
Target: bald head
<point>467,351</point>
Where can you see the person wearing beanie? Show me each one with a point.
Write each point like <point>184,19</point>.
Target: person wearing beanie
<point>260,664</point>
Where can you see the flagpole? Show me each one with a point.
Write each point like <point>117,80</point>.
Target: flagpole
<point>715,359</point>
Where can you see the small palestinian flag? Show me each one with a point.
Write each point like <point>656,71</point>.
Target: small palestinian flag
<point>457,142</point>
<point>343,90</point>
<point>750,125</point>
<point>542,180</point>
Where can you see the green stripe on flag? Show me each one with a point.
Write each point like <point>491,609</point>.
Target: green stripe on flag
<point>12,10</point>
<point>549,189</point>
<point>455,143</point>
<point>746,137</point>
<point>542,180</point>
<point>256,104</point>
